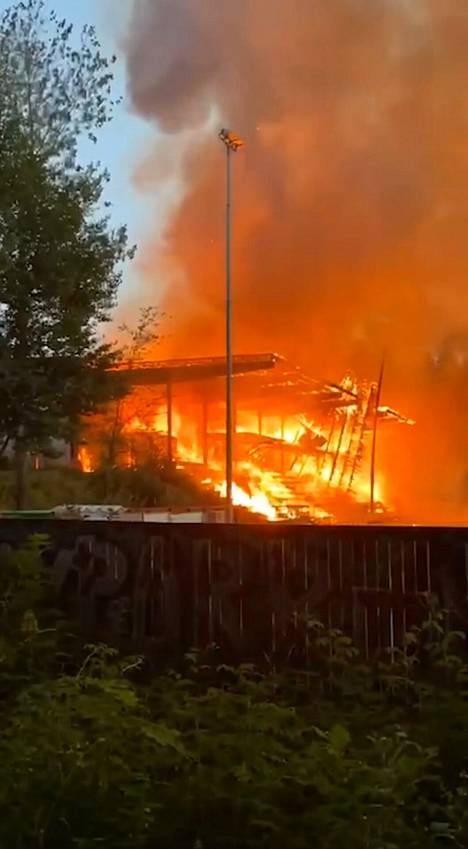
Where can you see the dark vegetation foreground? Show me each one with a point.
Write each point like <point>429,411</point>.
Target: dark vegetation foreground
<point>99,750</point>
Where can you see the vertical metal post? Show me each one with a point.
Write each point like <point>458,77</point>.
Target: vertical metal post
<point>229,420</point>
<point>169,419</point>
<point>231,143</point>
<point>282,446</point>
<point>374,436</point>
<point>205,430</point>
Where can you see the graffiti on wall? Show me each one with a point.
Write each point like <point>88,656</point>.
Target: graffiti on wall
<point>251,591</point>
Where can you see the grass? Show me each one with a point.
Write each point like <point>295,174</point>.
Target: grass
<point>147,486</point>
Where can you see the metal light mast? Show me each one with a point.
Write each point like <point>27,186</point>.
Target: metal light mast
<point>232,144</point>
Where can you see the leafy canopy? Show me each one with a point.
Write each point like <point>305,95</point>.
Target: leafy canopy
<point>60,258</point>
<point>102,750</point>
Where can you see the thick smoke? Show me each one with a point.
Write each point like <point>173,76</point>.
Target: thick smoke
<point>351,212</point>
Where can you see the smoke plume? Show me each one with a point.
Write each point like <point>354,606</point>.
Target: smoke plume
<point>350,213</point>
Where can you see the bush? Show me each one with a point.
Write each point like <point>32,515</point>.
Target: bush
<point>154,484</point>
<point>151,485</point>
<point>98,750</point>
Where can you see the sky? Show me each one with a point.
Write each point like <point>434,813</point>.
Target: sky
<point>123,141</point>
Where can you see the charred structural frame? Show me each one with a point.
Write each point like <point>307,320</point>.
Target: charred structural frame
<point>272,387</point>
<point>170,372</point>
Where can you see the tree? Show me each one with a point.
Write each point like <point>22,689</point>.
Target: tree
<point>108,429</point>
<point>60,259</point>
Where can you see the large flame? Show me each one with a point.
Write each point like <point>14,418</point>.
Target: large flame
<point>286,466</point>
<point>350,213</point>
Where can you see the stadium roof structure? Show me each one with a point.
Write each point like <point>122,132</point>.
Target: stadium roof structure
<point>146,373</point>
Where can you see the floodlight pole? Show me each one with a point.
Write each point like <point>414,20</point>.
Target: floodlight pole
<point>232,143</point>
<point>229,375</point>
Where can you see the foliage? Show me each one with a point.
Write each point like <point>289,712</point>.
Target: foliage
<point>107,429</point>
<point>99,750</point>
<point>60,260</point>
<point>156,484</point>
<point>137,341</point>
<point>53,87</point>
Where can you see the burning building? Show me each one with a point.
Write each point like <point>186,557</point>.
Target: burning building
<point>302,447</point>
<point>350,209</point>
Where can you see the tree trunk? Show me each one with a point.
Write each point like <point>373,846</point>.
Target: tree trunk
<point>20,472</point>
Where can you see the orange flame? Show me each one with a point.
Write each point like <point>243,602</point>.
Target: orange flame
<point>84,459</point>
<point>286,467</point>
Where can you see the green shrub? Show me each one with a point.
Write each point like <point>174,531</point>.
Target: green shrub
<point>98,750</point>
<point>151,485</point>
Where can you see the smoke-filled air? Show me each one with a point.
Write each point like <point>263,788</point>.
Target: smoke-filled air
<point>350,219</point>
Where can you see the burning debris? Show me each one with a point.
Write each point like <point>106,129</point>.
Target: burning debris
<point>301,447</point>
